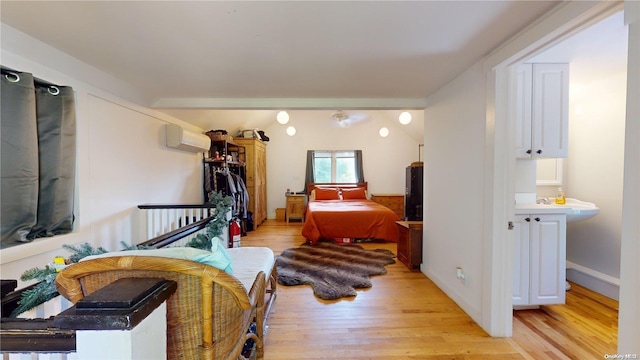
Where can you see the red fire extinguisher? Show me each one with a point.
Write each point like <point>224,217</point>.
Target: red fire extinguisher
<point>234,233</point>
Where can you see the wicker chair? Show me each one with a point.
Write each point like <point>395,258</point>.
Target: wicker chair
<point>209,315</point>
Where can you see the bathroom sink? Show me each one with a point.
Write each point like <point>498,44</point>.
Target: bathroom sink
<point>580,210</point>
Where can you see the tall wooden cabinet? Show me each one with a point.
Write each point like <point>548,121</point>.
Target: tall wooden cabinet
<point>256,173</point>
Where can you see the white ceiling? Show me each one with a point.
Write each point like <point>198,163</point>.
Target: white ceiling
<point>600,47</point>
<point>198,56</point>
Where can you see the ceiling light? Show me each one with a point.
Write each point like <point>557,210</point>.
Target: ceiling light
<point>282,117</point>
<point>405,118</point>
<point>384,132</point>
<point>291,131</point>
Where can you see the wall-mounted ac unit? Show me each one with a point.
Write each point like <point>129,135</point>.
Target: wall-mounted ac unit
<point>179,138</point>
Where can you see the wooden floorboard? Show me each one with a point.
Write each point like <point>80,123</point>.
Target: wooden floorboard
<point>406,316</point>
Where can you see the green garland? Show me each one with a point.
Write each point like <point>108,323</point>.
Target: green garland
<point>217,225</point>
<point>46,290</point>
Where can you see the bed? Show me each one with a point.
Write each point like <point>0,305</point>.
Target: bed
<point>339,210</point>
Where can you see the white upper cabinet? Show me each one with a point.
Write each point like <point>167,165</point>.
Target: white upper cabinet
<point>542,111</point>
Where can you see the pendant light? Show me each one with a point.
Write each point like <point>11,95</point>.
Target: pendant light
<point>282,117</point>
<point>405,118</point>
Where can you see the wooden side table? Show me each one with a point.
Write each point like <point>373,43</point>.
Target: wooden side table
<point>395,202</point>
<point>410,244</point>
<point>295,207</point>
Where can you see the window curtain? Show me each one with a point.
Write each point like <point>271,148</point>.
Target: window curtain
<point>359,170</point>
<point>38,152</point>
<point>309,177</point>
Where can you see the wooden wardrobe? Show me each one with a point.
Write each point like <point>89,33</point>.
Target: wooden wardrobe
<point>256,182</point>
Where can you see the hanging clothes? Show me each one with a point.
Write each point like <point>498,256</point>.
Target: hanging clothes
<point>243,196</point>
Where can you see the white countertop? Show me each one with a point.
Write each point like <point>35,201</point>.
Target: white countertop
<point>541,209</point>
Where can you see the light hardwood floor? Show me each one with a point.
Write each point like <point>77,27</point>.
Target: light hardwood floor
<point>405,316</point>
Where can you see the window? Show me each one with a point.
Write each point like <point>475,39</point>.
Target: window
<point>334,166</point>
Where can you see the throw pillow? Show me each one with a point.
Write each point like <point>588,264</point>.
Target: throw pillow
<point>327,194</point>
<point>354,193</point>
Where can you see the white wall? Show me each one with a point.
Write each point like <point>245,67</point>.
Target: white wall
<point>131,165</point>
<point>595,169</point>
<point>384,159</point>
<point>454,167</point>
<point>121,159</point>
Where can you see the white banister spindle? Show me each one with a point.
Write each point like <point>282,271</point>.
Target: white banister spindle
<point>155,223</point>
<point>183,219</point>
<point>173,220</point>
<point>163,222</point>
<point>144,224</point>
<point>41,356</point>
<point>159,225</point>
<point>47,309</point>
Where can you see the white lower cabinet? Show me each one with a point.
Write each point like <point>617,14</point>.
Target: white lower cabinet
<point>540,259</point>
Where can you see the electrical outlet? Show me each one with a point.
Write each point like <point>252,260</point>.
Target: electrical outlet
<point>460,275</point>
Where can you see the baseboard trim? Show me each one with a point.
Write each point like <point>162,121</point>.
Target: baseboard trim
<point>601,283</point>
<point>459,299</point>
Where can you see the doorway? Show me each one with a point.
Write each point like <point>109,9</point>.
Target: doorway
<point>503,166</point>
<point>593,171</point>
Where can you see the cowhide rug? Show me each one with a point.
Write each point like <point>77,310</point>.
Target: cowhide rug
<point>334,271</point>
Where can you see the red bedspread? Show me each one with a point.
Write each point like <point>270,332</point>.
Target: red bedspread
<point>359,219</point>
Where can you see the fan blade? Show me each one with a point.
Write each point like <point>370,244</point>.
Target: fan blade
<point>344,123</point>
<point>345,120</point>
<point>357,118</point>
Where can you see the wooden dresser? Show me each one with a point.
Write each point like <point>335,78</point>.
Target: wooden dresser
<point>256,166</point>
<point>395,202</point>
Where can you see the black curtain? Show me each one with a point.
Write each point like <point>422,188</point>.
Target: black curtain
<point>359,170</point>
<point>38,158</point>
<point>308,177</point>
